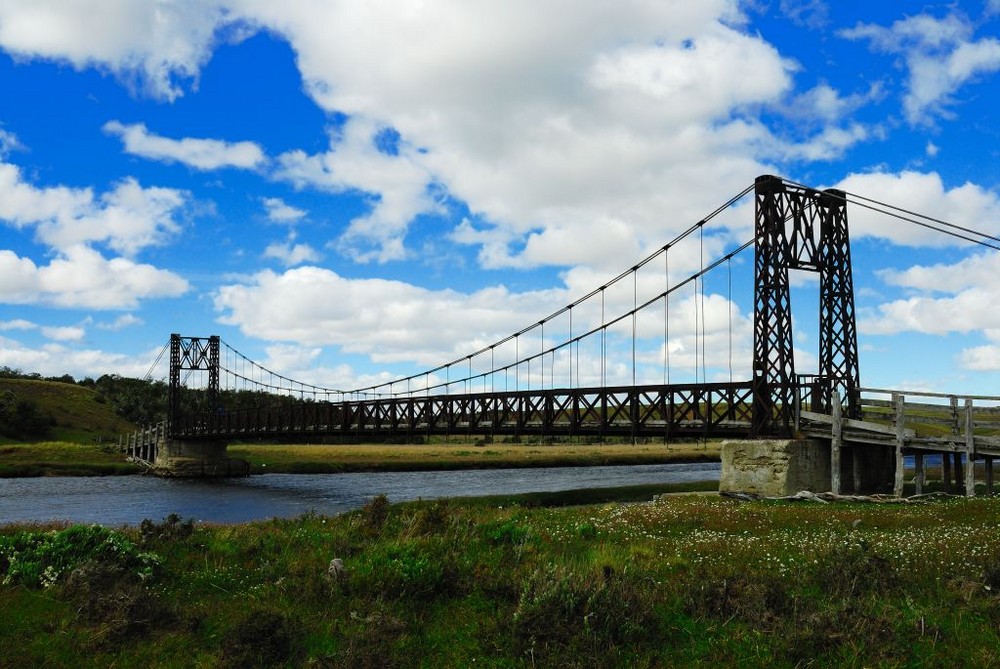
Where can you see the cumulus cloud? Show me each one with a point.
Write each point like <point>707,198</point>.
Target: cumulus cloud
<point>81,277</point>
<point>64,333</point>
<point>968,205</point>
<point>941,55</point>
<point>56,359</point>
<point>17,324</point>
<point>122,322</point>
<point>392,321</point>
<point>201,154</point>
<point>127,218</point>
<point>398,183</point>
<point>544,118</point>
<point>280,212</point>
<point>291,254</point>
<point>156,47</point>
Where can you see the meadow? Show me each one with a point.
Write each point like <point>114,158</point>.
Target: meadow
<point>682,580</point>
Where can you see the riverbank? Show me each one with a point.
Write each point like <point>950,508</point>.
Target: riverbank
<point>681,581</point>
<point>66,459</point>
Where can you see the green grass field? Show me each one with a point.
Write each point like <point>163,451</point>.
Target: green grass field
<point>80,414</point>
<point>683,581</point>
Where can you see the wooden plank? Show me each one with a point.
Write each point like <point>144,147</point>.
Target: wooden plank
<point>993,398</point>
<point>850,423</point>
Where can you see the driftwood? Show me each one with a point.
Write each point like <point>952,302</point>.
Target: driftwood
<point>827,497</point>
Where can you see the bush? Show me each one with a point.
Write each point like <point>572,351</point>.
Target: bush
<point>262,638</point>
<point>43,558</point>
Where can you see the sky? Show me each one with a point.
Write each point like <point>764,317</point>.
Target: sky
<point>352,192</point>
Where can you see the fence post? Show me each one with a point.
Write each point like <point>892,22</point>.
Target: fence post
<point>898,402</point>
<point>836,442</point>
<point>920,478</point>
<point>970,451</point>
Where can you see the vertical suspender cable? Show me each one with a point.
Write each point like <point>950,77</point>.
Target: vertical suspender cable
<point>666,316</point>
<point>604,342</point>
<point>542,361</point>
<point>570,384</point>
<point>517,364</point>
<point>729,268</point>
<point>704,333</point>
<point>635,314</point>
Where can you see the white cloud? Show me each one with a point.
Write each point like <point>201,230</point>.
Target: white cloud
<point>548,120</point>
<point>291,254</point>
<point>56,359</point>
<point>8,143</point>
<point>201,154</point>
<point>280,212</point>
<point>968,205</point>
<point>17,324</point>
<point>126,219</point>
<point>399,186</point>
<point>64,333</point>
<point>941,56</point>
<point>122,322</point>
<point>980,358</point>
<point>392,321</point>
<point>156,46</point>
<point>81,277</point>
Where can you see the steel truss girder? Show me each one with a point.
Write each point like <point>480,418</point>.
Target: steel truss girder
<point>806,229</point>
<point>657,411</point>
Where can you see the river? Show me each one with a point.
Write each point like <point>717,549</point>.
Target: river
<point>127,500</point>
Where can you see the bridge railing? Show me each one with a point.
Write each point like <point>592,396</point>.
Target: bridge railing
<point>932,415</point>
<point>680,410</point>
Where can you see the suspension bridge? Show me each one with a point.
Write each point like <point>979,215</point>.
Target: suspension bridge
<point>605,365</point>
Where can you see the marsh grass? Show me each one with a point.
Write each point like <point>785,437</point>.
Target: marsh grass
<point>685,580</point>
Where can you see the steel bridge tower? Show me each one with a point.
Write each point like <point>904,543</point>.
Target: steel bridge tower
<point>805,229</point>
<point>191,354</point>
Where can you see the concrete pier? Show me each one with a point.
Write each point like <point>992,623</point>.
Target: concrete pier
<point>192,458</point>
<point>780,467</point>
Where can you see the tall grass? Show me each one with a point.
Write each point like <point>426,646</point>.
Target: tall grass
<point>680,581</point>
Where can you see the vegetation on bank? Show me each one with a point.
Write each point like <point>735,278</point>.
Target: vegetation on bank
<point>327,459</point>
<point>681,581</point>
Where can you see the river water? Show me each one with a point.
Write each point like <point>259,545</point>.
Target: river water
<point>127,500</point>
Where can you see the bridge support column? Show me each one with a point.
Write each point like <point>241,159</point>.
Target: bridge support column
<point>920,476</point>
<point>196,458</point>
<point>775,467</point>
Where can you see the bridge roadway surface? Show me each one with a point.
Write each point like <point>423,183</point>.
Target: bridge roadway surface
<point>718,410</point>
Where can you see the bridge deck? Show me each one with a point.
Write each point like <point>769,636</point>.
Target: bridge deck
<point>662,411</point>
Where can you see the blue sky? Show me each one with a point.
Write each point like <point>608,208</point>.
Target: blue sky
<point>351,192</point>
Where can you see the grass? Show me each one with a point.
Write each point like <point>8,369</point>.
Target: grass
<point>54,458</point>
<point>80,415</point>
<point>680,581</point>
<point>351,458</point>
<point>73,459</point>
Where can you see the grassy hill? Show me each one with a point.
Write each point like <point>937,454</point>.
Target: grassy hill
<point>81,415</point>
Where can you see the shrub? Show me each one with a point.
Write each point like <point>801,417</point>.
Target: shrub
<point>171,529</point>
<point>375,513</point>
<point>261,638</point>
<point>43,558</point>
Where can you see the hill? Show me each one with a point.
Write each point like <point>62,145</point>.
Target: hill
<point>81,414</point>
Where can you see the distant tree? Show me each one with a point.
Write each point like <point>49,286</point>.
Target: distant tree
<point>22,418</point>
<point>139,401</point>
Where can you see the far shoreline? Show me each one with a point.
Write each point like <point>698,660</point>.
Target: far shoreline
<point>66,459</point>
